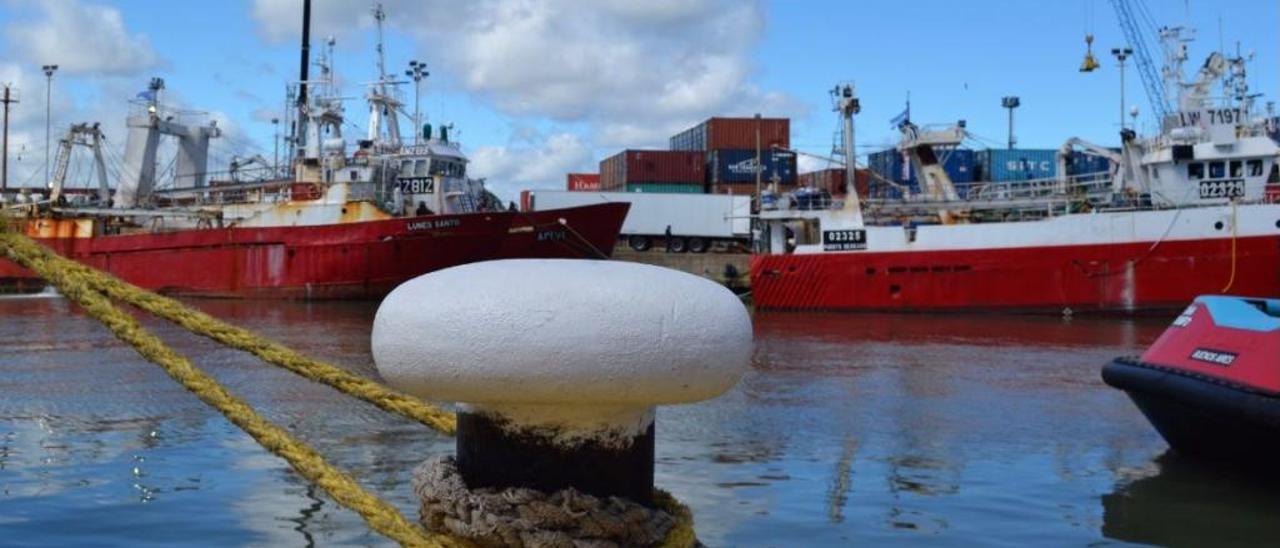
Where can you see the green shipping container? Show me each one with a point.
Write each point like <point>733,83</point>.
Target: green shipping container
<point>667,188</point>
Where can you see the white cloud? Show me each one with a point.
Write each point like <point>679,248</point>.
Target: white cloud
<point>538,161</point>
<point>80,38</point>
<point>806,164</point>
<point>630,73</point>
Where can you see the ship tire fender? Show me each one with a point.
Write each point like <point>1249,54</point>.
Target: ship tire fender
<point>698,245</point>
<point>678,245</point>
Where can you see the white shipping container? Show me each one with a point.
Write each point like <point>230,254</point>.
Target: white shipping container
<point>713,216</point>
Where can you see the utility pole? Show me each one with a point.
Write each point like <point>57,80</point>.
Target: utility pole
<point>48,94</point>
<point>9,98</point>
<point>417,71</point>
<point>759,166</point>
<point>1122,54</point>
<point>1011,102</point>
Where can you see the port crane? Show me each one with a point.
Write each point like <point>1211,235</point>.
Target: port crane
<point>1152,82</point>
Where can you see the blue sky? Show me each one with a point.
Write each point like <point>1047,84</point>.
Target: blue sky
<point>538,88</point>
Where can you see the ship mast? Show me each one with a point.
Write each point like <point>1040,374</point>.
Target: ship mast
<point>382,106</point>
<point>847,104</point>
<point>300,134</point>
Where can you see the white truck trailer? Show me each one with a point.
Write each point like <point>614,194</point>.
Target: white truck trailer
<point>697,222</point>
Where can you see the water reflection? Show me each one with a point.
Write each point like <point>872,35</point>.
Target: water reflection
<point>841,482</point>
<point>1192,504</point>
<point>847,429</point>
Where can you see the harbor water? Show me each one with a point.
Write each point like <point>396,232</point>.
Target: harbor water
<point>848,429</point>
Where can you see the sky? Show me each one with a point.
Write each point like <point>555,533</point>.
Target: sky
<point>539,88</point>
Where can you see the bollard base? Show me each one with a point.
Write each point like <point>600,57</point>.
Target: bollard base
<point>529,517</point>
<point>491,453</point>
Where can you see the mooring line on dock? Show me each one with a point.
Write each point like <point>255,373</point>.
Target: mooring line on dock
<point>22,249</point>
<point>93,290</point>
<point>378,514</point>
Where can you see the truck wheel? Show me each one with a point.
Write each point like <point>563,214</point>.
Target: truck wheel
<point>678,245</point>
<point>639,243</point>
<point>698,245</point>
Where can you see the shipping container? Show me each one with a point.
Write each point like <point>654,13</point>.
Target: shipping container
<point>883,163</point>
<point>734,133</point>
<point>652,166</point>
<point>832,180</point>
<point>668,188</point>
<point>959,163</point>
<point>1083,163</point>
<point>1019,164</point>
<point>739,166</point>
<point>582,181</point>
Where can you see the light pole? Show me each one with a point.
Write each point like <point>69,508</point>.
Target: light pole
<point>48,94</point>
<point>1011,102</point>
<point>1122,54</point>
<point>417,71</point>
<point>275,158</point>
<point>9,98</point>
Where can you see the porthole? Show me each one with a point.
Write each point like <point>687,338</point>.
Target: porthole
<point>1218,225</point>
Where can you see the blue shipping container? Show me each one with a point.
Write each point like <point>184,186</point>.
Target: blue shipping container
<point>1085,163</point>
<point>738,166</point>
<point>882,162</point>
<point>959,163</point>
<point>1019,164</point>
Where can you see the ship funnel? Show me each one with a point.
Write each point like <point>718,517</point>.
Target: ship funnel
<point>426,132</point>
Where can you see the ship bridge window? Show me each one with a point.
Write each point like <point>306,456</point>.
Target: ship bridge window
<point>406,168</point>
<point>1195,170</point>
<point>1237,168</point>
<point>1217,170</point>
<point>446,168</point>
<point>419,168</point>
<point>1255,168</point>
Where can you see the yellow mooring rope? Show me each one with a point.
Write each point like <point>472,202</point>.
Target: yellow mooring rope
<point>87,287</point>
<point>236,337</point>
<point>379,515</point>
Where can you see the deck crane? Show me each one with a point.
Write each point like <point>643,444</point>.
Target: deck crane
<point>1151,80</point>
<point>88,136</point>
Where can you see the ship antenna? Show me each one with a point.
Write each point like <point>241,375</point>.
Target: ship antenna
<point>380,16</point>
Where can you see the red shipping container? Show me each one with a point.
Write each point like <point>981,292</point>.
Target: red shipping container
<point>652,166</point>
<point>583,181</point>
<point>832,180</point>
<point>734,133</point>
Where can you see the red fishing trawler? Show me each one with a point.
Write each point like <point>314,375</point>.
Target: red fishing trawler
<point>1190,211</point>
<point>330,225</point>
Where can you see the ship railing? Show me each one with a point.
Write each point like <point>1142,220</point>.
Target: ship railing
<point>229,192</point>
<point>1081,185</point>
<point>1091,188</point>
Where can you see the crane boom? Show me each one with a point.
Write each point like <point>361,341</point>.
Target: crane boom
<point>1151,80</point>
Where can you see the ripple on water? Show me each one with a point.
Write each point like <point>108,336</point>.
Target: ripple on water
<point>848,429</point>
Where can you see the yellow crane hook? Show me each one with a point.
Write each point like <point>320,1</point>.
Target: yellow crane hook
<point>1090,63</point>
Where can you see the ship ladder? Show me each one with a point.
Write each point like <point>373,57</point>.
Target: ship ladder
<point>94,291</point>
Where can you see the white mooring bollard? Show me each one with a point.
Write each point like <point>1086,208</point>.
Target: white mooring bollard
<point>557,364</point>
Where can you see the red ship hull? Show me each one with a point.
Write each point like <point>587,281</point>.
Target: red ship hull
<point>563,234</point>
<point>342,261</point>
<point>1112,277</point>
